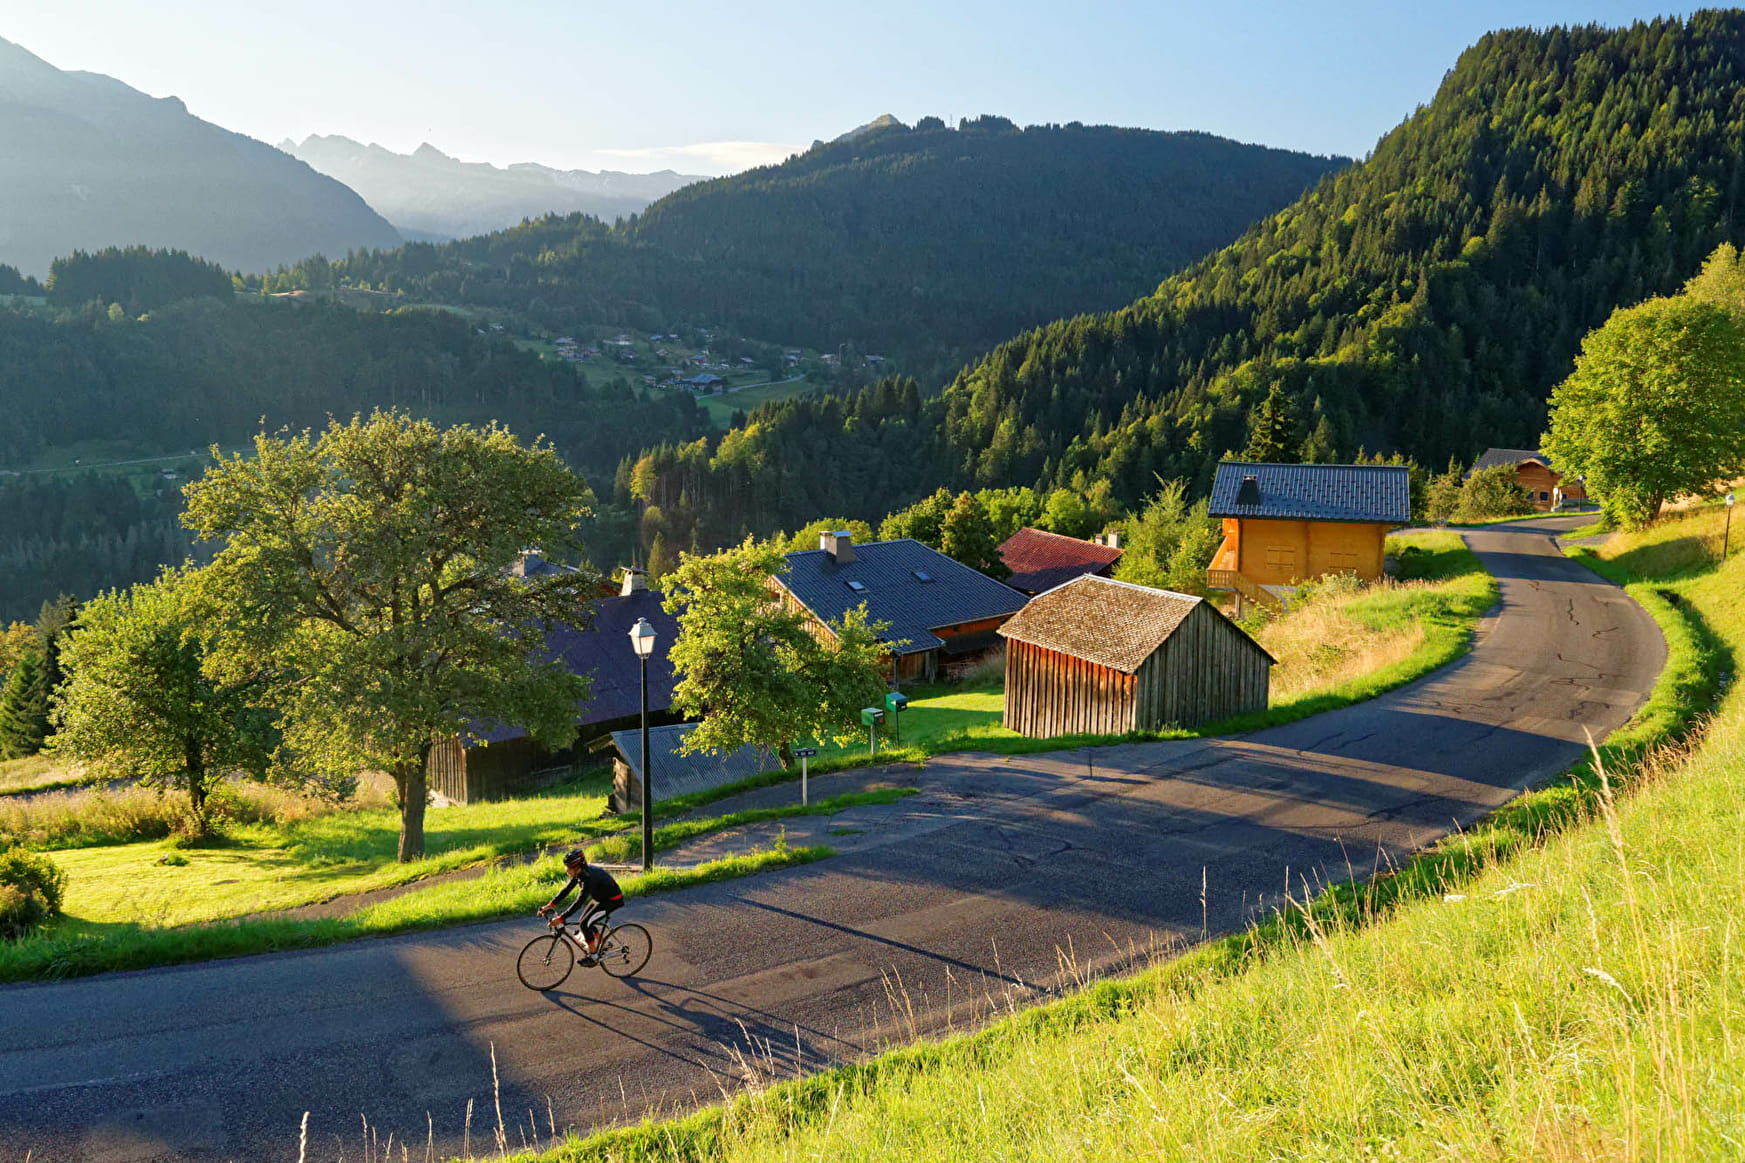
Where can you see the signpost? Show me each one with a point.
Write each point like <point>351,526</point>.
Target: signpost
<point>804,753</point>
<point>1727,530</point>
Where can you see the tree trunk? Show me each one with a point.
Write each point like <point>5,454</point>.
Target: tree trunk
<point>196,772</point>
<point>412,783</point>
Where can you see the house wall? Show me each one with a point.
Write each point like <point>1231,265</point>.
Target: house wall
<point>1049,693</point>
<point>1285,553</point>
<point>1540,482</point>
<point>1207,670</point>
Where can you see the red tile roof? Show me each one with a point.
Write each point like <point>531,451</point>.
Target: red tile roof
<point>1040,561</point>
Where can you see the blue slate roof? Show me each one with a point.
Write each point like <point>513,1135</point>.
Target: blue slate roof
<point>602,651</point>
<point>673,774</point>
<point>891,574</point>
<point>1378,493</point>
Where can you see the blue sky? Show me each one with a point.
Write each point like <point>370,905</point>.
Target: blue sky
<point>711,87</point>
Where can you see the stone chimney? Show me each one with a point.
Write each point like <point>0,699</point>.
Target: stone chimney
<point>528,562</point>
<point>1248,492</point>
<point>839,545</point>
<point>1111,539</point>
<point>635,582</point>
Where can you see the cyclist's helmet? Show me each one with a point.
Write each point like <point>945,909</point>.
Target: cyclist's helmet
<point>575,859</point>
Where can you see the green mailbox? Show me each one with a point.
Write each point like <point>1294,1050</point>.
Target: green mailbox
<point>896,703</point>
<point>872,717</point>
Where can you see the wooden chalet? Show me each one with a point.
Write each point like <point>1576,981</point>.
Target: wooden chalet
<point>501,760</point>
<point>1102,657</point>
<point>1546,487</point>
<point>1040,560</point>
<point>1285,524</point>
<point>941,614</point>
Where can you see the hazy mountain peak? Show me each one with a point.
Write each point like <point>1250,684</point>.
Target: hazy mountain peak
<point>142,170</point>
<point>433,194</point>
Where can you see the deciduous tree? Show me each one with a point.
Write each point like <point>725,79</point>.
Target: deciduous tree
<point>753,669</point>
<point>1655,407</point>
<point>137,702</point>
<point>373,563</point>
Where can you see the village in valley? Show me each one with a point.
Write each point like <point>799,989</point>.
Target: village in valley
<point>963,640</point>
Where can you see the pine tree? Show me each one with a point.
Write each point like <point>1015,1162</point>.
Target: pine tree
<point>1272,438</point>
<point>24,708</point>
<point>967,536</point>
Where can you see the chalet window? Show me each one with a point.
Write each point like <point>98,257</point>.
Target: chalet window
<point>1281,555</point>
<point>1544,496</point>
<point>857,587</point>
<point>923,575</point>
<point>1343,559</point>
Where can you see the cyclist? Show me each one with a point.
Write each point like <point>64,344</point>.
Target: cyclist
<point>598,891</point>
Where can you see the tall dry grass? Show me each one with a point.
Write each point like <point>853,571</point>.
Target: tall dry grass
<point>130,813</point>
<point>1320,642</point>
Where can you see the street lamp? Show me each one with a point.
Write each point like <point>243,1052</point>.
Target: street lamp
<point>642,641</point>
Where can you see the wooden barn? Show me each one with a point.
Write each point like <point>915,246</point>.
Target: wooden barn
<point>1546,487</point>
<point>1285,524</point>
<point>1103,657</point>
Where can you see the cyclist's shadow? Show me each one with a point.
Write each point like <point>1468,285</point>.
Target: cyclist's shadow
<point>722,1032</point>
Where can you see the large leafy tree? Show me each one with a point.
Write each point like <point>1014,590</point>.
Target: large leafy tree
<point>1655,407</point>
<point>755,669</point>
<point>373,563</point>
<point>138,703</point>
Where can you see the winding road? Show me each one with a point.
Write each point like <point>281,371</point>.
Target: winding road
<point>1004,880</point>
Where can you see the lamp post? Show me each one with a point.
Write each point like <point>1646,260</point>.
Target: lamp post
<point>642,641</point>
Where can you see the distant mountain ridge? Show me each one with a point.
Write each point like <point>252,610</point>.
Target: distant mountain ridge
<point>87,162</point>
<point>429,194</point>
<point>924,243</point>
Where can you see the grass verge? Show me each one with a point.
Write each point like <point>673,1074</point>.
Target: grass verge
<point>1559,982</point>
<point>501,892</point>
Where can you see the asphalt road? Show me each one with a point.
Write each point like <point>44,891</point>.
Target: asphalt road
<point>1004,880</point>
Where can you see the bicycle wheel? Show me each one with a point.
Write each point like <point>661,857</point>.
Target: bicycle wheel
<point>625,950</point>
<point>546,962</point>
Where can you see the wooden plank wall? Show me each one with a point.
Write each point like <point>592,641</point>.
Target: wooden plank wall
<point>1207,670</point>
<point>1049,693</point>
<point>446,769</point>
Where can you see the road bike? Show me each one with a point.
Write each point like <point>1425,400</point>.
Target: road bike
<point>547,961</point>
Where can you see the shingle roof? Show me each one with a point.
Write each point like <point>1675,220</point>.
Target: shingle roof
<point>891,575</point>
<point>1509,456</point>
<point>1378,493</point>
<point>1040,560</point>
<point>674,774</point>
<point>603,652</point>
<point>1111,623</point>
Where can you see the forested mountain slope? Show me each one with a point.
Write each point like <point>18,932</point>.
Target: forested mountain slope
<point>88,163</point>
<point>922,243</point>
<point>1424,301</point>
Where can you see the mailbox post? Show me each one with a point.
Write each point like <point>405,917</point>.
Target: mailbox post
<point>803,754</point>
<point>895,705</point>
<point>872,717</point>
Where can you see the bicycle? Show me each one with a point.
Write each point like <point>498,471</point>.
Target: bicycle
<point>547,961</point>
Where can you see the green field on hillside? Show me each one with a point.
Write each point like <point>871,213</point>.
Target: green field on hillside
<point>1561,982</point>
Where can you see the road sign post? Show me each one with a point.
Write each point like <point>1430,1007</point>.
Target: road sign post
<point>1727,530</point>
<point>804,753</point>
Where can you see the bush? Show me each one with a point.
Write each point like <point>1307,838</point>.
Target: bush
<point>31,888</point>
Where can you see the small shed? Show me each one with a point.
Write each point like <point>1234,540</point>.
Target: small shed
<point>1102,657</point>
<point>675,774</point>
